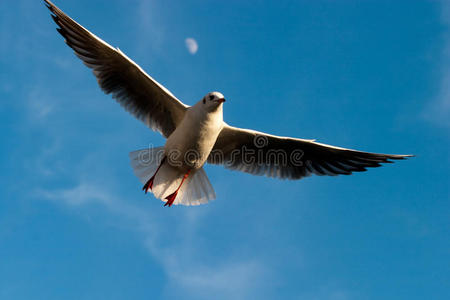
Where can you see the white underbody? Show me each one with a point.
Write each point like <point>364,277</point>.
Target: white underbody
<point>189,146</point>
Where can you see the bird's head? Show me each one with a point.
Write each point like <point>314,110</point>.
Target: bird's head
<point>212,101</point>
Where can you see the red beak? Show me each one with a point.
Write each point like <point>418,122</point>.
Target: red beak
<point>221,100</point>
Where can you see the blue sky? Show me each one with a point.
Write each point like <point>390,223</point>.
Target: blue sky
<point>370,75</point>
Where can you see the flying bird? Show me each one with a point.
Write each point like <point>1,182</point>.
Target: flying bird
<point>197,134</point>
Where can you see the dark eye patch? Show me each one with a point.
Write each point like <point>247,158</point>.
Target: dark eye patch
<point>211,97</point>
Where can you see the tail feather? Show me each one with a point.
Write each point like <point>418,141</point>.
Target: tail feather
<point>145,162</point>
<point>195,190</point>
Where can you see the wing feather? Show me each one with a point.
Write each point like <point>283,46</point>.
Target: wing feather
<point>297,158</point>
<point>119,76</point>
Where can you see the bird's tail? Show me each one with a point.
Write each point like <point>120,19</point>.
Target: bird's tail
<point>195,190</point>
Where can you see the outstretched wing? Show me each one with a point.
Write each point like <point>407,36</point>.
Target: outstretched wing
<point>259,153</point>
<point>119,76</point>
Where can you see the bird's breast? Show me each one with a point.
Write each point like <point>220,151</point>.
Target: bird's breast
<point>189,146</point>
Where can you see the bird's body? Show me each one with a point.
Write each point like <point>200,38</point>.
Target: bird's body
<point>197,134</point>
<point>192,141</point>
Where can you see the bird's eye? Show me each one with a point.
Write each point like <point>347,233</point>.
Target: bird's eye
<point>211,97</point>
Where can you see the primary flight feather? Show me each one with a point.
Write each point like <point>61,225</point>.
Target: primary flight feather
<point>197,134</point>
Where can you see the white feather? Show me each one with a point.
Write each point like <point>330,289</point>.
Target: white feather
<point>195,190</point>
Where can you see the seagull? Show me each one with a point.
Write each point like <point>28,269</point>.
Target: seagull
<point>197,134</point>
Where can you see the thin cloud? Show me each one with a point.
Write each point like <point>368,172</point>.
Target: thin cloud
<point>151,30</point>
<point>191,45</point>
<point>439,111</point>
<point>39,105</point>
<point>235,278</point>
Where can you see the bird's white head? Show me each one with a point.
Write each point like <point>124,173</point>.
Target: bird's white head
<point>212,101</point>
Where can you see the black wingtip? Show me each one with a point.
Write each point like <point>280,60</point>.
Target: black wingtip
<point>49,4</point>
<point>55,18</point>
<point>405,156</point>
<point>51,7</point>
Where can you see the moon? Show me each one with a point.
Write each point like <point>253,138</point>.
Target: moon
<point>191,45</point>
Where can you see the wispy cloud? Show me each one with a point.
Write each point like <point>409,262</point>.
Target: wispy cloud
<point>39,104</point>
<point>151,31</point>
<point>235,278</point>
<point>238,280</point>
<point>439,110</point>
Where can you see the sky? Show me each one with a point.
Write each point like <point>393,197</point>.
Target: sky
<point>368,75</point>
